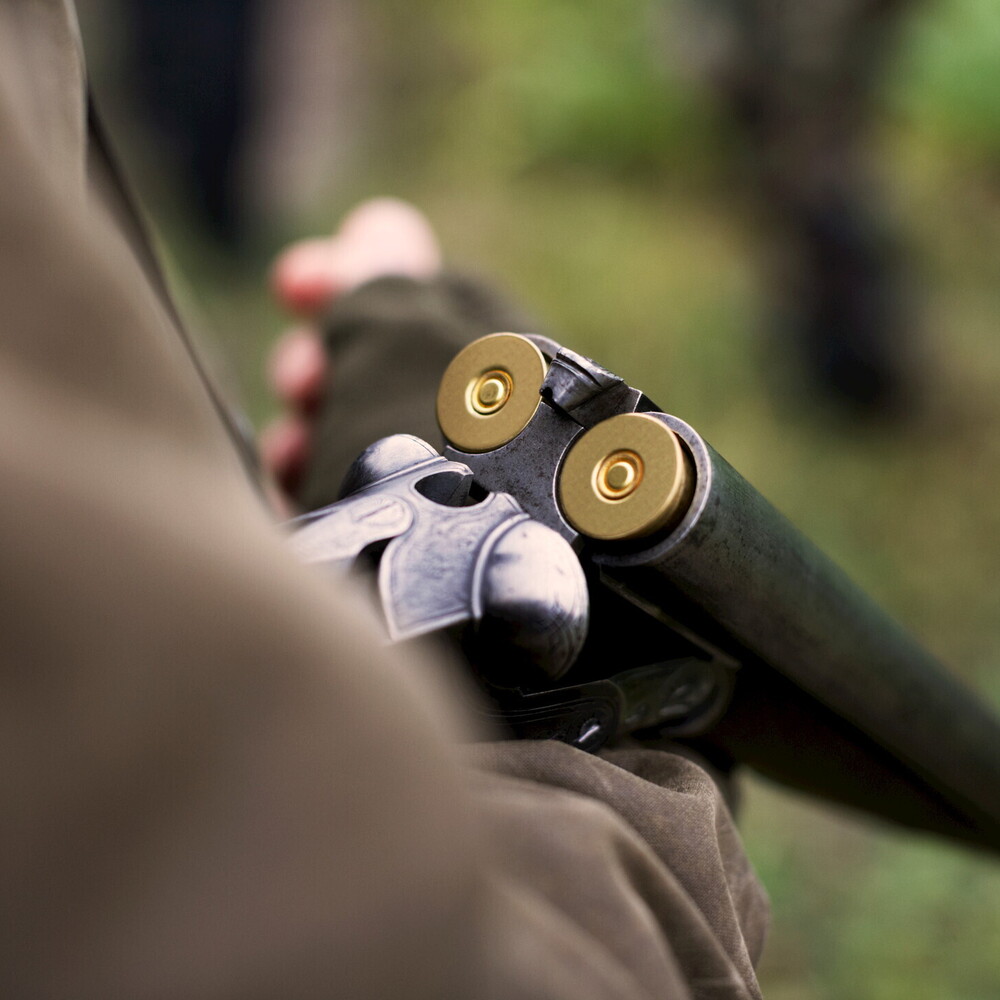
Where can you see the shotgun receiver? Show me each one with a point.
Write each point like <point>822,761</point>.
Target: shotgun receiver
<point>608,573</point>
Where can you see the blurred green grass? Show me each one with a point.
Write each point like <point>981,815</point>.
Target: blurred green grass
<point>556,147</point>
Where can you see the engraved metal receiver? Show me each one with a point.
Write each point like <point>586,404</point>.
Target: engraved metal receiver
<point>450,559</point>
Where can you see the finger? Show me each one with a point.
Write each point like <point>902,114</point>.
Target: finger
<point>307,276</point>
<point>284,450</point>
<point>297,369</point>
<point>388,236</point>
<point>379,237</point>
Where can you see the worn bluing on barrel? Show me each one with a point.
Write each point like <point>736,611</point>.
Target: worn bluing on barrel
<point>899,734</point>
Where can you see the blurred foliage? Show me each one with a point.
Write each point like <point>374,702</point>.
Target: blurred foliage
<point>948,78</point>
<point>585,84</point>
<point>591,88</point>
<point>560,146</point>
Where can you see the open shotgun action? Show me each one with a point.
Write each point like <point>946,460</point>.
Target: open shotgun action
<point>606,573</point>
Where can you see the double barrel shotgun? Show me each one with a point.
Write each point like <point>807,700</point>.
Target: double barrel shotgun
<point>606,573</point>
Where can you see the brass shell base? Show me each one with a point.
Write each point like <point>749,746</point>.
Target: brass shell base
<point>627,477</point>
<point>489,392</point>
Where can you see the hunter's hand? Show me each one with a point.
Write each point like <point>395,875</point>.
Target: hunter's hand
<point>378,238</point>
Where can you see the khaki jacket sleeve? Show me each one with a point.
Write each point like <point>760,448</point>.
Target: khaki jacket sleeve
<point>215,781</point>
